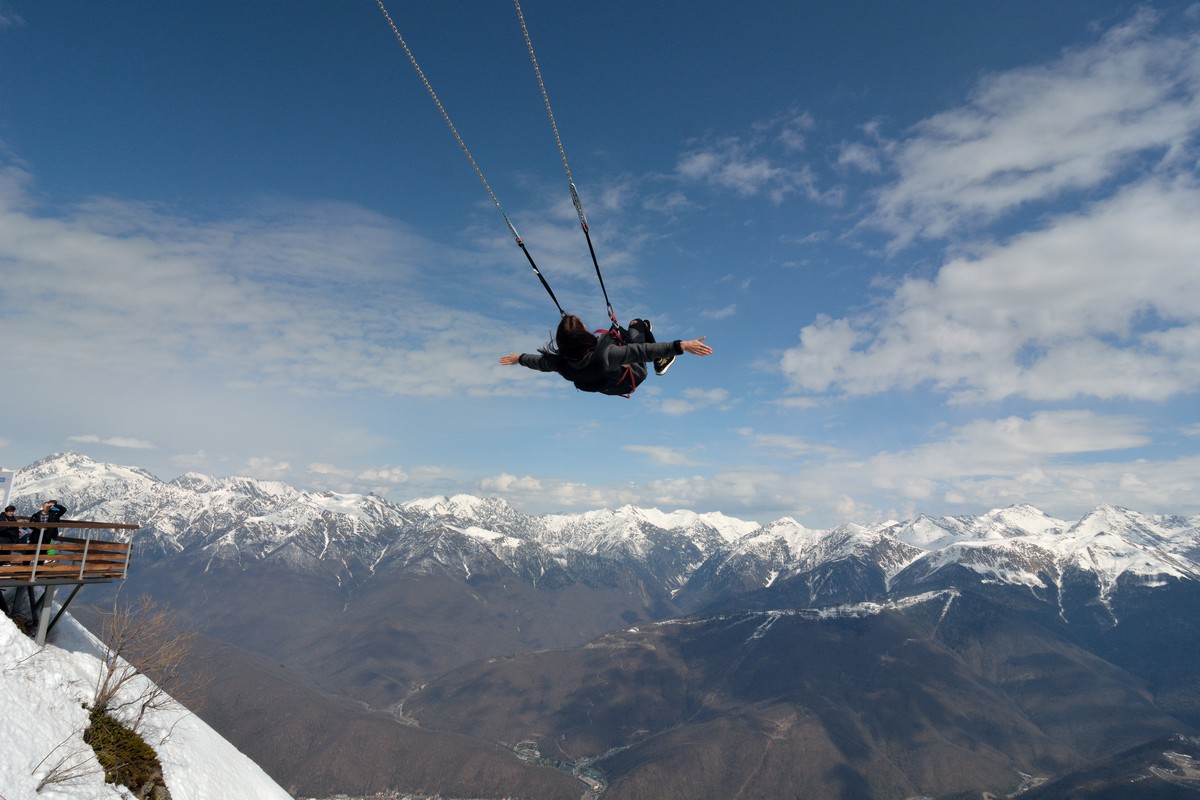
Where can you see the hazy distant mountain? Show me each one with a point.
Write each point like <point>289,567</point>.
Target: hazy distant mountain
<point>368,600</point>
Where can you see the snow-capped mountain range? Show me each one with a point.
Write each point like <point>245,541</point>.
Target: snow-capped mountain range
<point>696,558</point>
<point>315,599</point>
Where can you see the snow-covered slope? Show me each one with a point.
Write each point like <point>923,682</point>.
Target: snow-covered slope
<point>42,693</point>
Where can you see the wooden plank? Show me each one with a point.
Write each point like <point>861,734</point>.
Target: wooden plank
<point>71,523</point>
<point>30,550</point>
<point>77,558</point>
<point>67,547</point>
<point>61,570</point>
<point>94,542</point>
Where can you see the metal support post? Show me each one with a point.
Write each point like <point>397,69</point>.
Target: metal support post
<point>83,562</point>
<point>45,605</point>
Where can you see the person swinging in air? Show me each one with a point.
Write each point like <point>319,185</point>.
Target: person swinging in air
<point>613,362</point>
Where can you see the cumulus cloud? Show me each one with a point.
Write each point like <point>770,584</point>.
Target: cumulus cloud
<point>691,400</point>
<point>666,456</point>
<point>1008,446</point>
<point>760,162</point>
<point>298,297</point>
<point>786,444</point>
<point>391,476</point>
<point>1031,134</point>
<point>861,157</point>
<point>1066,462</point>
<point>266,468</point>
<point>720,313</point>
<point>508,484</point>
<point>113,441</point>
<point>1102,303</point>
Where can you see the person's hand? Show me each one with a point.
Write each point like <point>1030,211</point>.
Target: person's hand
<point>696,347</point>
<point>510,359</point>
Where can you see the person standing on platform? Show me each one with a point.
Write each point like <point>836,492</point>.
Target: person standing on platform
<point>51,512</point>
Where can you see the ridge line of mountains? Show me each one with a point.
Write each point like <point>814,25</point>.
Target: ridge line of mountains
<point>456,646</point>
<point>694,558</point>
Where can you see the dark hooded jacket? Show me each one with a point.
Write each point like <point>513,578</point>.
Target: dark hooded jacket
<point>609,368</point>
<point>53,515</point>
<point>9,535</point>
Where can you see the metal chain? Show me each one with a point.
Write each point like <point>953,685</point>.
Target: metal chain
<point>562,153</point>
<point>545,97</point>
<point>557,141</point>
<point>446,117</point>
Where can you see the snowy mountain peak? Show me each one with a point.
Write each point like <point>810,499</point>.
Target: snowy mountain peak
<point>1020,519</point>
<point>196,482</point>
<point>354,537</point>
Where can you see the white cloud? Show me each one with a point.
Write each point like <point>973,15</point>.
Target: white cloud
<point>1033,134</point>
<point>1009,446</point>
<point>113,441</point>
<point>691,400</point>
<point>861,157</point>
<point>507,484</point>
<point>720,313</point>
<point>759,163</point>
<point>302,298</point>
<point>1053,459</point>
<point>665,456</point>
<point>787,444</point>
<point>390,476</point>
<point>1103,303</point>
<point>265,468</point>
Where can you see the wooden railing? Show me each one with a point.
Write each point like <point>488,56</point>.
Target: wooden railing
<point>67,559</point>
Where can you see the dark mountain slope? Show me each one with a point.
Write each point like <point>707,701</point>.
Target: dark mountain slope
<point>934,698</point>
<point>1167,768</point>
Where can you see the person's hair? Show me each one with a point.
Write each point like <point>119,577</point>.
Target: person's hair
<point>572,341</point>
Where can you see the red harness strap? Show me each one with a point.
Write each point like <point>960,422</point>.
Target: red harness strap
<point>627,375</point>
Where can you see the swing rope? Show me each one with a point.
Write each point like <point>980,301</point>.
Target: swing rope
<point>446,116</point>
<point>562,153</point>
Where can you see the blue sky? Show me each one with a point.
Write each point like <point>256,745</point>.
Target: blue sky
<point>946,253</point>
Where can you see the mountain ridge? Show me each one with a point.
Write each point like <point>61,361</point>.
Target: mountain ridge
<point>449,606</point>
<point>1017,544</point>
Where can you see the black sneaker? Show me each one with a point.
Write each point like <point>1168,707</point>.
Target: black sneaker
<point>661,365</point>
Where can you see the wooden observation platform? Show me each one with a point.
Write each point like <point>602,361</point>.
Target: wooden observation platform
<point>66,561</point>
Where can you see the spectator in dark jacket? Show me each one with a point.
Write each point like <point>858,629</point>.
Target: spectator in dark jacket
<point>51,512</point>
<point>9,535</point>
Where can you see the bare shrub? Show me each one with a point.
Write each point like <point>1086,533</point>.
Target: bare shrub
<point>143,637</point>
<point>70,760</point>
